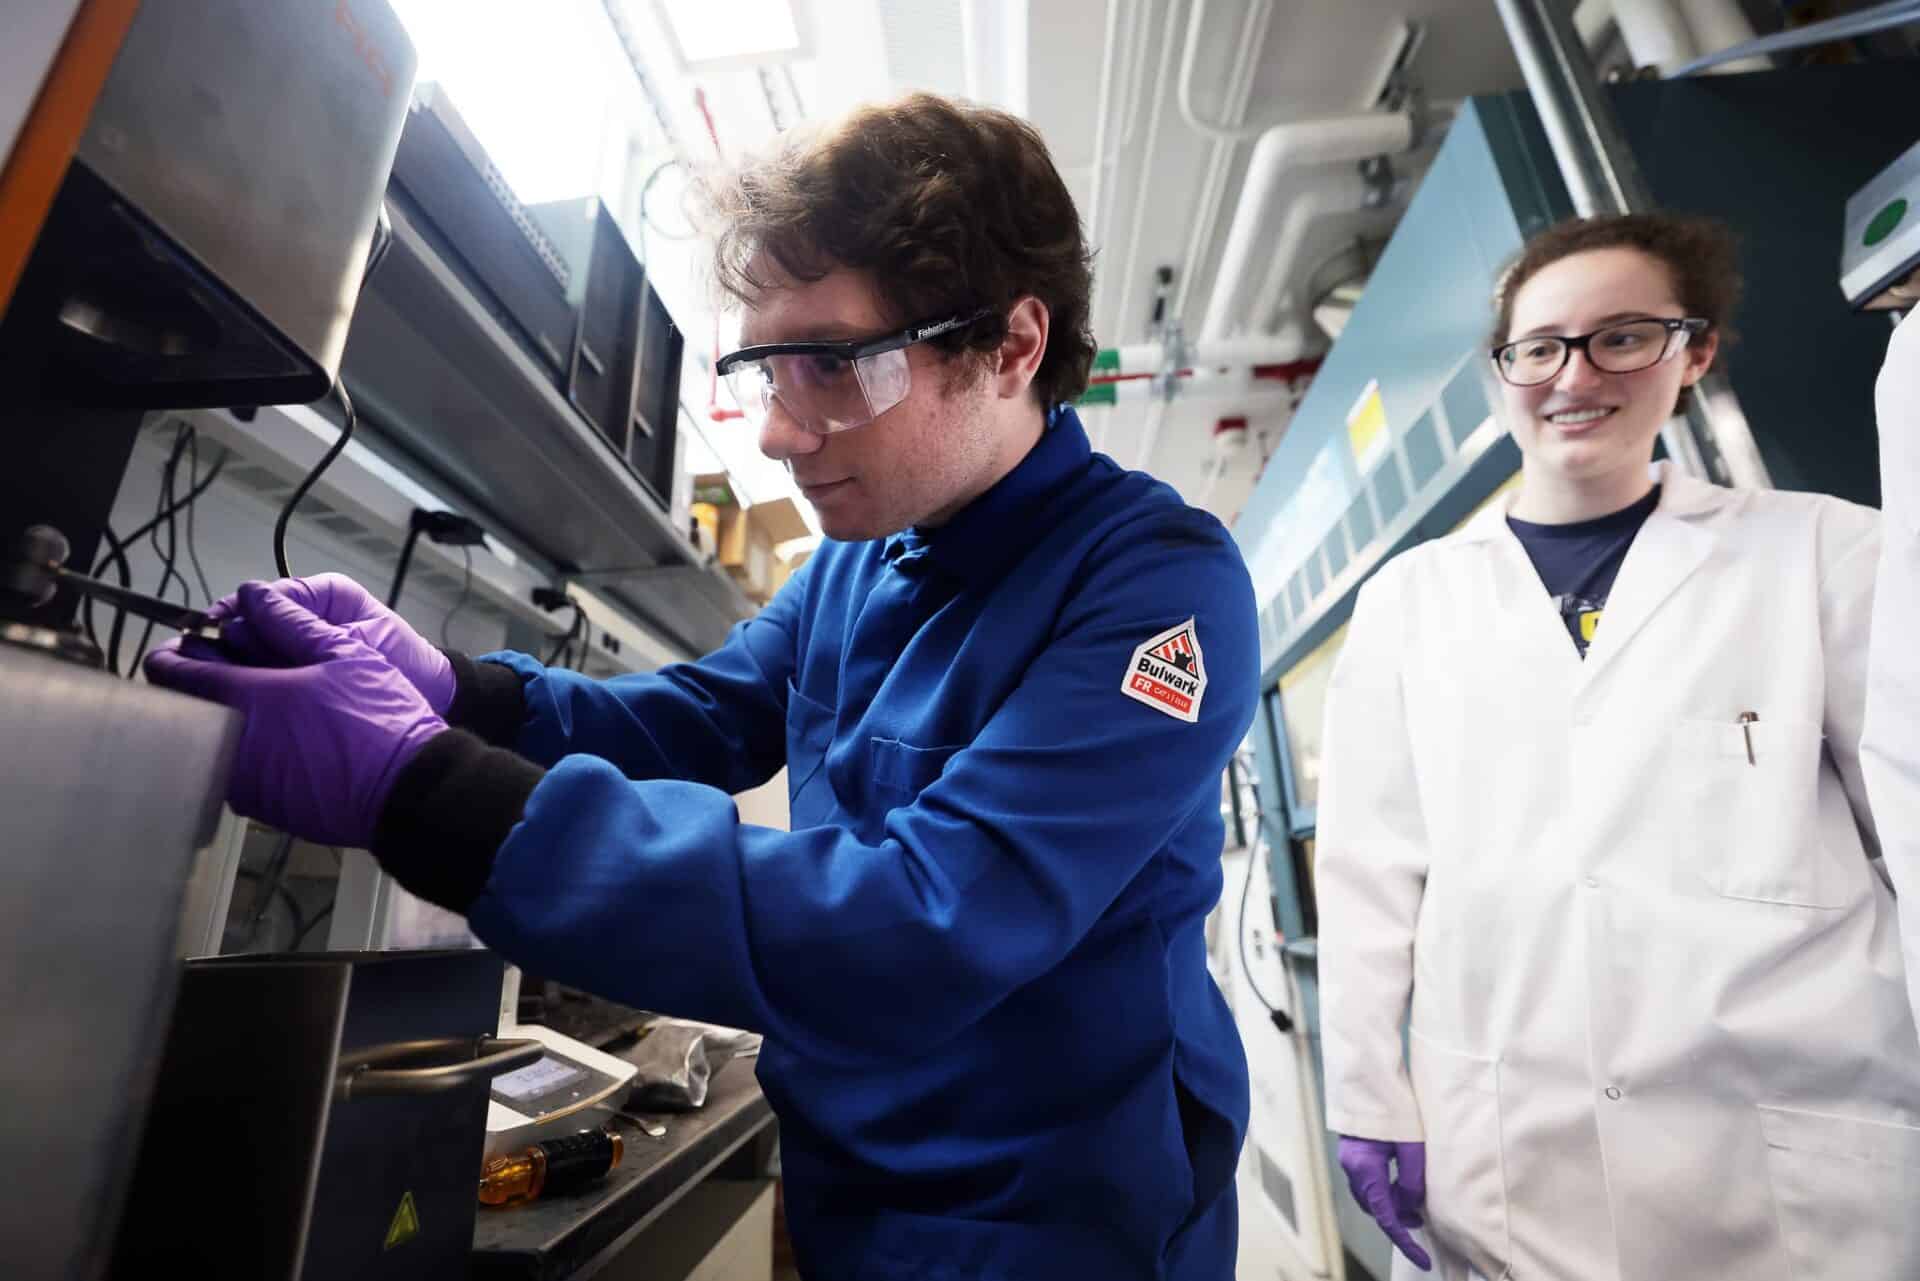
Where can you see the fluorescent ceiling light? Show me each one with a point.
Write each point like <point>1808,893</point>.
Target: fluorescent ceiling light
<point>708,34</point>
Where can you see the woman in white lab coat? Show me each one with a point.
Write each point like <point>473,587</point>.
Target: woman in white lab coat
<point>1591,822</point>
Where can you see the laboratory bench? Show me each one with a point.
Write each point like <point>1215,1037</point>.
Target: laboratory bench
<point>666,1212</point>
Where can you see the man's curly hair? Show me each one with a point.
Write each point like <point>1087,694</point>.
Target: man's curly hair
<point>949,207</point>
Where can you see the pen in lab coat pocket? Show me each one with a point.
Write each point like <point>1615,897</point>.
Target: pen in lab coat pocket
<point>1746,727</point>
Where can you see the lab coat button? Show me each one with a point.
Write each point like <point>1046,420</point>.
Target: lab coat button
<point>1613,1092</point>
<point>1593,882</point>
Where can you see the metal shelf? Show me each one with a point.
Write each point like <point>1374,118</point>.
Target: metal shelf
<point>433,371</point>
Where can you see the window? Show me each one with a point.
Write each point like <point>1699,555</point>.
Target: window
<point>1424,456</point>
<point>1303,692</point>
<point>1465,400</point>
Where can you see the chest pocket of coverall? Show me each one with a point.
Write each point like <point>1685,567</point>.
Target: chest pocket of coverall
<point>810,798</point>
<point>1755,824</point>
<point>902,771</point>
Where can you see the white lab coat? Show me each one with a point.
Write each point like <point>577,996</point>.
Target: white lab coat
<point>1890,747</point>
<point>1659,1020</point>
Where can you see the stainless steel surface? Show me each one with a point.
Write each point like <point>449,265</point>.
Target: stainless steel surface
<point>434,374</point>
<point>108,789</point>
<point>258,135</point>
<point>210,891</point>
<point>363,1076</point>
<point>1602,177</point>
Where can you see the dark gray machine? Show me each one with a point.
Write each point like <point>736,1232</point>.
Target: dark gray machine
<point>204,247</point>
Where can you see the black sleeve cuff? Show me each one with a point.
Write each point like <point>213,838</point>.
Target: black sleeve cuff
<point>448,814</point>
<point>487,700</point>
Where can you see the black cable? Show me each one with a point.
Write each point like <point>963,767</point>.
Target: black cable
<point>266,897</point>
<point>300,492</point>
<point>118,554</point>
<point>193,550</point>
<point>1281,1019</point>
<point>206,482</point>
<point>164,506</point>
<point>466,590</point>
<point>566,641</point>
<point>117,550</point>
<point>307,929</point>
<point>400,570</point>
<point>646,189</point>
<point>1246,891</point>
<point>273,879</point>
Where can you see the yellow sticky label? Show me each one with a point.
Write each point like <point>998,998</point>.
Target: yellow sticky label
<point>1589,624</point>
<point>1367,427</point>
<point>406,1223</point>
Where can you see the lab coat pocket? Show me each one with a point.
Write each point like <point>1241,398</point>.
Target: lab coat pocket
<point>1459,1098</point>
<point>902,771</point>
<point>1753,817</point>
<point>809,735</point>
<point>1843,1194</point>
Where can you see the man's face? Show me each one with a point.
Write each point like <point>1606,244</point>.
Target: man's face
<point>916,464</point>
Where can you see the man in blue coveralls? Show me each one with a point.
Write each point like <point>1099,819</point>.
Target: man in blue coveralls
<point>1004,689</point>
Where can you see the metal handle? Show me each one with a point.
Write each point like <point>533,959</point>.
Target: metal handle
<point>481,1059</point>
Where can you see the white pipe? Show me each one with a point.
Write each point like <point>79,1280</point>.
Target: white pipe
<point>1196,22</point>
<point>1136,66</point>
<point>1246,66</point>
<point>1721,24</point>
<point>1290,344</point>
<point>1247,393</point>
<point>1150,438</point>
<point>1591,19</point>
<point>1143,189</point>
<point>1323,192</point>
<point>1655,33</point>
<point>1105,101</point>
<point>1281,150</point>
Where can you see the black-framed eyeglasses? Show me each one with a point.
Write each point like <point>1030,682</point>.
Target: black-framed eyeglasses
<point>833,385</point>
<point>1623,348</point>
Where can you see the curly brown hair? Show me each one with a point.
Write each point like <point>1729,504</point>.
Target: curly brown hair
<point>1700,255</point>
<point>948,206</point>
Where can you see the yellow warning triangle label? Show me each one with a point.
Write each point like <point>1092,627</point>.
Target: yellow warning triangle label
<point>406,1223</point>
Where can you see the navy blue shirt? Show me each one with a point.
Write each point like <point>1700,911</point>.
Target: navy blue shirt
<point>1579,562</point>
<point>978,956</point>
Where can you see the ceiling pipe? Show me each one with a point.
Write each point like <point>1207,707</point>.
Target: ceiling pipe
<point>1319,193</point>
<point>1591,18</point>
<point>1722,24</point>
<point>1229,131</point>
<point>1240,81</point>
<point>1281,152</point>
<point>1141,190</point>
<point>1278,349</point>
<point>1656,34</point>
<point>1096,179</point>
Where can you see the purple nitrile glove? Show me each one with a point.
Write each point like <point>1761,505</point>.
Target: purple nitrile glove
<point>1394,1202</point>
<point>328,728</point>
<point>339,600</point>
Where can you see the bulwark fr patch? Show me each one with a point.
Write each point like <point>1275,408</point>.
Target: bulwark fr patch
<point>1168,674</point>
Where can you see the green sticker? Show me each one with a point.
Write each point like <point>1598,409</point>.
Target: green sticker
<point>1105,359</point>
<point>1884,222</point>
<point>1099,394</point>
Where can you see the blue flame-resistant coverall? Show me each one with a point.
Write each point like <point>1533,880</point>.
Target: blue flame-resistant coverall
<point>991,1038</point>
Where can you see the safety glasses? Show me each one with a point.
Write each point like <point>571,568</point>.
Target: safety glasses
<point>831,386</point>
<point>1624,348</point>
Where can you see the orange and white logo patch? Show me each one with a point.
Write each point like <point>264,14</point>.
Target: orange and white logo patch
<point>1168,673</point>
